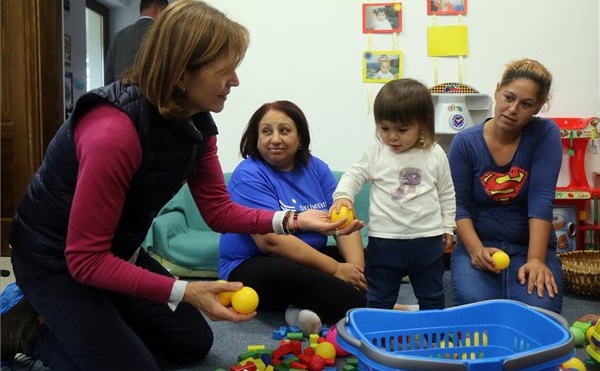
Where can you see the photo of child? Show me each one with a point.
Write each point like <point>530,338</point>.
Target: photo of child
<point>381,21</point>
<point>382,66</point>
<point>382,17</point>
<point>446,7</point>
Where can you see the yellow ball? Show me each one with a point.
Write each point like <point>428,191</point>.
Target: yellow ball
<point>245,300</point>
<point>344,213</point>
<point>501,260</point>
<point>225,297</point>
<point>326,350</point>
<point>574,363</point>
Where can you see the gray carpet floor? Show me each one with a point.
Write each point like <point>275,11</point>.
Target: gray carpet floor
<point>233,339</point>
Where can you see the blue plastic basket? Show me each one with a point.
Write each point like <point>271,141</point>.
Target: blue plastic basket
<point>485,336</point>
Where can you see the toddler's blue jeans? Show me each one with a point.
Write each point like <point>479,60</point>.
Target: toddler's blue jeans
<point>389,260</point>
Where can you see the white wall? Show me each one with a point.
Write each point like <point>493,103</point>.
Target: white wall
<point>310,52</point>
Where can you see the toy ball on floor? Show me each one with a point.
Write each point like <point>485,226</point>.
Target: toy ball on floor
<point>326,350</point>
<point>331,337</point>
<point>573,364</point>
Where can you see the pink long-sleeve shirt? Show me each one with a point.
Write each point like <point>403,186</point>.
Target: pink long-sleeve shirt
<point>109,154</point>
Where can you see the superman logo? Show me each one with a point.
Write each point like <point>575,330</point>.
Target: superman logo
<point>504,187</point>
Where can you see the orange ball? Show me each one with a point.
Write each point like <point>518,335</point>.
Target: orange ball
<point>225,297</point>
<point>343,213</point>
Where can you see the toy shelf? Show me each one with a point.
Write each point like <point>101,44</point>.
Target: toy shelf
<point>579,134</point>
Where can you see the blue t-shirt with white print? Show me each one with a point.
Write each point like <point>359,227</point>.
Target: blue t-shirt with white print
<point>255,184</point>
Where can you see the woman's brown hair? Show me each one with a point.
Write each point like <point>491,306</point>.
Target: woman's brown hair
<point>187,34</point>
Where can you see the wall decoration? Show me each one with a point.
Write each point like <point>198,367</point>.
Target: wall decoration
<point>446,7</point>
<point>382,65</point>
<point>447,41</point>
<point>67,50</point>
<point>68,93</point>
<point>382,17</point>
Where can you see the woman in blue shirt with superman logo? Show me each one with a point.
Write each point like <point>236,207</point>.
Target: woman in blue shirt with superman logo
<point>505,172</point>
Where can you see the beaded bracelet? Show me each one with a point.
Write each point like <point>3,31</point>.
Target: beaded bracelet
<point>295,222</point>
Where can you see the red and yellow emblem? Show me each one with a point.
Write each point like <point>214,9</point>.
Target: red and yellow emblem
<point>504,187</point>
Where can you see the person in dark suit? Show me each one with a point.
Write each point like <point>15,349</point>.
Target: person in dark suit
<point>126,42</point>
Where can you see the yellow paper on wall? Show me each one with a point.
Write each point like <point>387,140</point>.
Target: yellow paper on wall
<point>447,41</point>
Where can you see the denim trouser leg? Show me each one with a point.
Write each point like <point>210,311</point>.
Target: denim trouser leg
<point>472,285</point>
<point>389,260</point>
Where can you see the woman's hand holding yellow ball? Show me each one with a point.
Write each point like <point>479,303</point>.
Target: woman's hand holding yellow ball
<point>501,259</point>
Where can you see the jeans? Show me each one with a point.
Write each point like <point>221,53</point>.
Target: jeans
<point>388,261</point>
<point>471,285</point>
<point>92,329</point>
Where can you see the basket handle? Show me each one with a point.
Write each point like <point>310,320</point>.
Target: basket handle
<point>555,316</point>
<point>404,363</point>
<point>536,358</point>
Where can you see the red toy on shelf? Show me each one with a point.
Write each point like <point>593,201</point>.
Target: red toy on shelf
<point>577,135</point>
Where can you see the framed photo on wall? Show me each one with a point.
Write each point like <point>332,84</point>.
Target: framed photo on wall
<point>382,65</point>
<point>446,7</point>
<point>382,17</point>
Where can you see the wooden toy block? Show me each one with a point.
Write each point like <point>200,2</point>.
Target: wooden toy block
<point>296,347</point>
<point>278,335</point>
<point>260,365</point>
<point>316,364</point>
<point>309,351</point>
<point>275,362</point>
<point>246,355</point>
<point>295,336</point>
<point>298,365</point>
<point>246,361</point>
<point>246,367</point>
<point>282,350</point>
<point>288,359</point>
<point>266,358</point>
<point>304,358</point>
<point>254,348</point>
<point>352,361</point>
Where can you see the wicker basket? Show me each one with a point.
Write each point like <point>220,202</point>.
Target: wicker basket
<point>581,271</point>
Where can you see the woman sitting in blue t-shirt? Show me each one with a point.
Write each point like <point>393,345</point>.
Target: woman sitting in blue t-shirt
<point>297,272</point>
